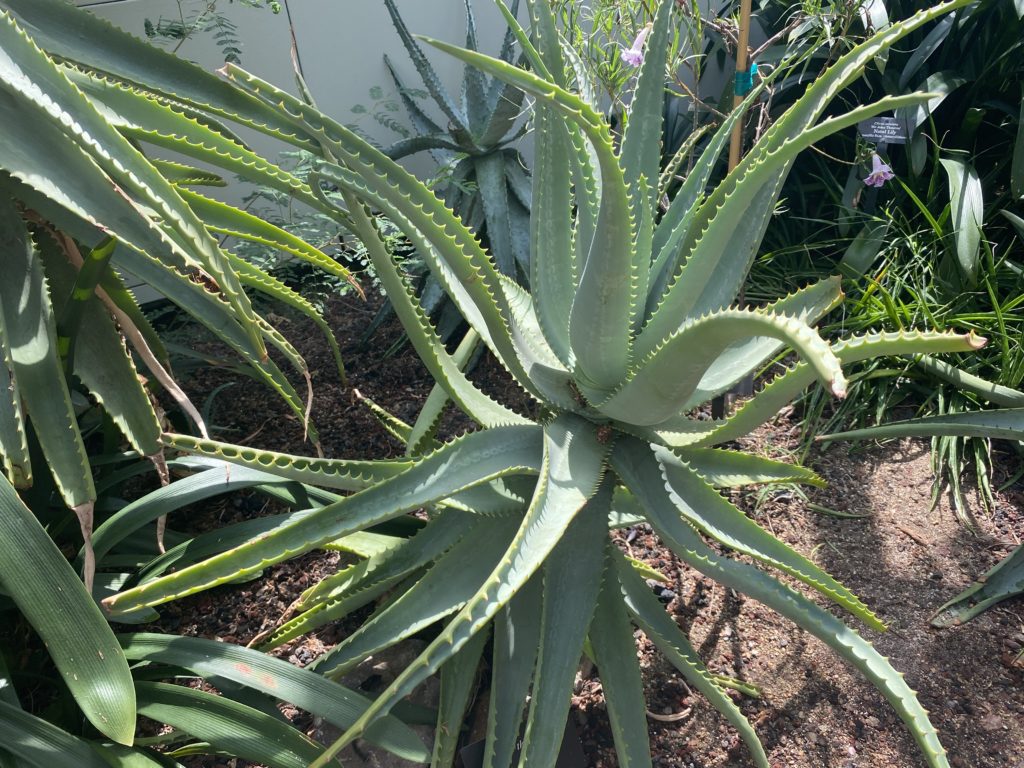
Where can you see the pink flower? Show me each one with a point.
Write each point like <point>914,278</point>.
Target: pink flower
<point>634,56</point>
<point>880,172</point>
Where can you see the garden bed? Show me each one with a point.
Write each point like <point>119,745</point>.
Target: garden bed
<point>904,558</point>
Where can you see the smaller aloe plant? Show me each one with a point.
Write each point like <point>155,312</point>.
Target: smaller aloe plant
<point>626,331</point>
<point>488,184</point>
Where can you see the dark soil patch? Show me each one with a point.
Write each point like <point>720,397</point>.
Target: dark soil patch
<point>904,559</point>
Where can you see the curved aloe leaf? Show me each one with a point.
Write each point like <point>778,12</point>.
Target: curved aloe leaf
<point>468,461</point>
<point>571,581</point>
<point>1004,580</point>
<point>1004,423</point>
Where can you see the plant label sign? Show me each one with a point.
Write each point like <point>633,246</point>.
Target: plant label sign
<point>883,129</point>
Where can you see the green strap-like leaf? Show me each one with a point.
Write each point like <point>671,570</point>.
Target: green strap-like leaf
<point>35,742</point>
<point>559,496</point>
<point>968,212</point>
<point>277,678</point>
<point>651,617</point>
<point>997,394</point>
<point>463,463</point>
<point>227,725</point>
<point>49,594</point>
<point>1004,423</point>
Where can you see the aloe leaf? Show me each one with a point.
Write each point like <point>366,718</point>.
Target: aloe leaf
<point>516,639</point>
<point>351,588</point>
<point>227,725</point>
<point>571,581</point>
<point>599,320</point>
<point>458,682</point>
<point>206,544</point>
<point>493,190</point>
<point>447,585</point>
<point>422,436</point>
<point>101,361</point>
<point>49,594</point>
<point>144,118</point>
<point>707,511</point>
<point>729,225</point>
<point>476,404</point>
<point>463,463</point>
<point>1004,423</point>
<point>968,208</point>
<point>14,450</point>
<point>182,174</point>
<point>560,494</point>
<point>279,679</point>
<point>228,220</point>
<point>781,390</point>
<point>673,230</point>
<point>661,384</point>
<point>650,616</point>
<point>639,474</point>
<point>255,278</point>
<point>743,358</point>
<point>90,40</point>
<point>48,88</point>
<point>30,330</point>
<point>340,474</point>
<point>35,742</point>
<point>1004,580</point>
<point>723,468</point>
<point>553,270</point>
<point>641,142</point>
<point>611,636</point>
<point>474,85</point>
<point>426,72</point>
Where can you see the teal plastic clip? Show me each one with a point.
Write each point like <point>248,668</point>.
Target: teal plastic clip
<point>745,81</point>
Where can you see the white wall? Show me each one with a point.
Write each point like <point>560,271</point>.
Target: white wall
<point>341,44</point>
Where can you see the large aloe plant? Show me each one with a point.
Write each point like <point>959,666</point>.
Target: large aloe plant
<point>627,330</point>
